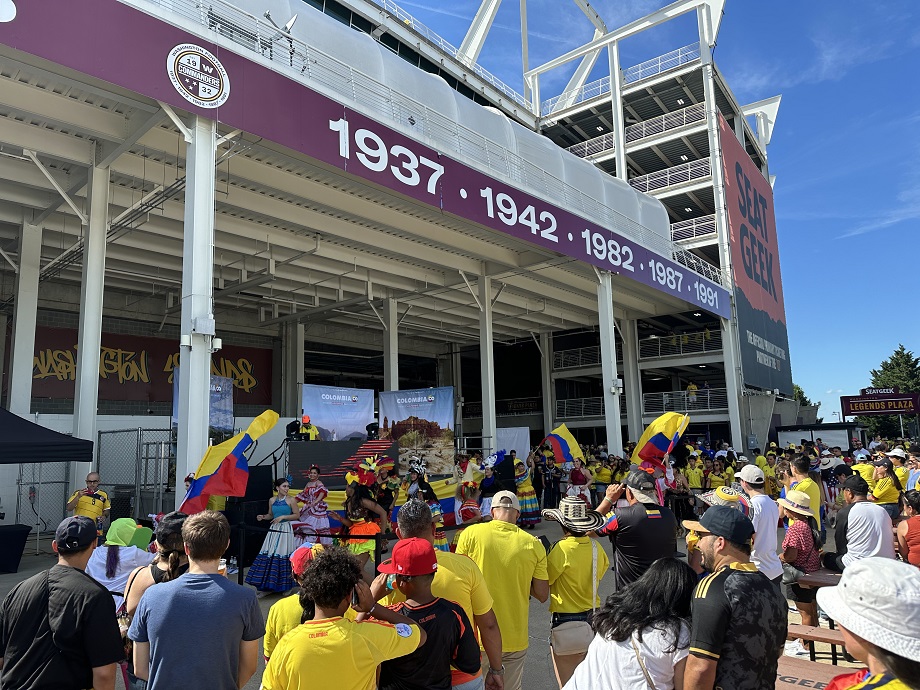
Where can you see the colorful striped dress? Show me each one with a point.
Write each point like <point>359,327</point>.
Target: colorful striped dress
<point>530,508</point>
<point>437,515</point>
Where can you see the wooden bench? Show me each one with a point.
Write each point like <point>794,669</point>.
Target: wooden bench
<point>816,634</point>
<point>800,673</point>
<point>820,578</point>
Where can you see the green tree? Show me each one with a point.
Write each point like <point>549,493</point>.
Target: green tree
<point>800,396</point>
<point>901,369</point>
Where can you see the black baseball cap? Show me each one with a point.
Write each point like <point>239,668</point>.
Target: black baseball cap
<point>725,522</point>
<point>75,534</point>
<point>856,484</point>
<point>169,524</point>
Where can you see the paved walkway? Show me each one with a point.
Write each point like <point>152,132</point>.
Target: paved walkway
<point>538,671</point>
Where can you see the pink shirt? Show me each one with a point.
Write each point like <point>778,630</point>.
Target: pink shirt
<point>799,536</point>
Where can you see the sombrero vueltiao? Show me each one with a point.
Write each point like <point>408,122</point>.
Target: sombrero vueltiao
<point>574,515</point>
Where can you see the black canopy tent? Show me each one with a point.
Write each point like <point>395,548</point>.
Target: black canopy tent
<point>26,442</point>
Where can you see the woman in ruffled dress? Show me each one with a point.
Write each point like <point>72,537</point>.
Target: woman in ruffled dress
<point>271,571</point>
<point>314,515</point>
<point>580,479</point>
<point>359,527</point>
<point>527,496</point>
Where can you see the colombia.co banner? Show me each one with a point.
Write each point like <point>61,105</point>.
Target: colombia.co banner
<point>339,413</point>
<point>138,368</point>
<point>755,265</point>
<point>422,423</point>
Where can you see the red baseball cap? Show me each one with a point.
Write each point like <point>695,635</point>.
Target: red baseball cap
<point>302,556</point>
<point>411,557</point>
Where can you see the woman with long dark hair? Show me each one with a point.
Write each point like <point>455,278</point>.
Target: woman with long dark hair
<point>359,504</point>
<point>314,515</point>
<point>170,562</point>
<point>642,633</point>
<point>800,556</point>
<point>112,563</point>
<point>271,571</point>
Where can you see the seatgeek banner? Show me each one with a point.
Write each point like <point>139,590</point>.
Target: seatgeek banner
<point>339,414</point>
<point>755,267</point>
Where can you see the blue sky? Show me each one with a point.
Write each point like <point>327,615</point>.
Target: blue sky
<point>845,151</point>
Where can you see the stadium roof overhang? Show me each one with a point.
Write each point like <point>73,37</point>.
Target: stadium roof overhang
<point>295,239</point>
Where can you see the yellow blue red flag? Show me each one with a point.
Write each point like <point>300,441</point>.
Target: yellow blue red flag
<point>659,439</point>
<point>224,470</point>
<point>565,447</point>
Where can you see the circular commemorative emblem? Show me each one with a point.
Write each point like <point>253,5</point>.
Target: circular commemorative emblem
<point>198,76</point>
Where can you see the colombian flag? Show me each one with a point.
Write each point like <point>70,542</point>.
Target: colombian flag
<point>224,470</point>
<point>659,439</point>
<point>565,447</point>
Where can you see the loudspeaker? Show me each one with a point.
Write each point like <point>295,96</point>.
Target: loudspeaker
<point>261,484</point>
<point>240,511</point>
<point>505,473</point>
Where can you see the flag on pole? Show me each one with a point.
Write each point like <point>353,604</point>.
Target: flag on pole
<point>565,447</point>
<point>659,439</point>
<point>224,470</point>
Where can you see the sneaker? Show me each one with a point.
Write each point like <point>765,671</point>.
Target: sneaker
<point>793,608</point>
<point>795,648</point>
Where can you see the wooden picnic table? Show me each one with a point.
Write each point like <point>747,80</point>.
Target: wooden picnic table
<point>801,673</point>
<point>820,578</point>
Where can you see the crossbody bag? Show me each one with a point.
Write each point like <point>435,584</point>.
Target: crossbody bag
<point>575,637</point>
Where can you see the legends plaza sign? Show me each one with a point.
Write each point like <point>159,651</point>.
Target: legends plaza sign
<point>880,401</point>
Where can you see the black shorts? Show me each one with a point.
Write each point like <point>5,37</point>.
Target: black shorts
<point>799,594</point>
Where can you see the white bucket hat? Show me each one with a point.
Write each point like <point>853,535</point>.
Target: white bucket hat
<point>878,599</point>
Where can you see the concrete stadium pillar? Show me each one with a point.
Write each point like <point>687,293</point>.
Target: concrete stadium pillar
<point>89,340</point>
<point>25,312</point>
<point>611,383</point>
<point>487,366</point>
<point>293,343</point>
<point>390,346</point>
<point>547,384</point>
<point>197,322</point>
<point>632,379</point>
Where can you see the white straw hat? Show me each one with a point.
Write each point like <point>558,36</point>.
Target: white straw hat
<point>878,599</point>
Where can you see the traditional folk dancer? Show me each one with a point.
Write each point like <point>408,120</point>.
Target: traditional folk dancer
<point>527,496</point>
<point>271,571</point>
<point>314,515</point>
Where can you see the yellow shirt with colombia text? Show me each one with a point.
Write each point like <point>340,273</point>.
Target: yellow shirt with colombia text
<point>336,653</point>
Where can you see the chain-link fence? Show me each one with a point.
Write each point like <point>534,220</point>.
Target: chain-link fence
<point>42,494</point>
<point>137,469</point>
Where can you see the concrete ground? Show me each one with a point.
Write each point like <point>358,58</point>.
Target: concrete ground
<point>538,671</point>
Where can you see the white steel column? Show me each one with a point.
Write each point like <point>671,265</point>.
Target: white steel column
<point>730,342</point>
<point>197,323</point>
<point>294,335</point>
<point>611,385</point>
<point>390,346</point>
<point>25,310</point>
<point>487,365</point>
<point>548,385</point>
<point>89,340</point>
<point>632,378</point>
<point>616,103</point>
<point>456,380</point>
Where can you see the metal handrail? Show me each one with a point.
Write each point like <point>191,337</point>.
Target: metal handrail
<point>670,177</point>
<point>448,48</point>
<point>694,228</point>
<point>574,408</point>
<point>641,130</point>
<point>704,399</point>
<point>312,66</point>
<point>644,70</point>
<point>695,343</point>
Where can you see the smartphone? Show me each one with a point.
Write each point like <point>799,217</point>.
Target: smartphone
<point>354,597</point>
